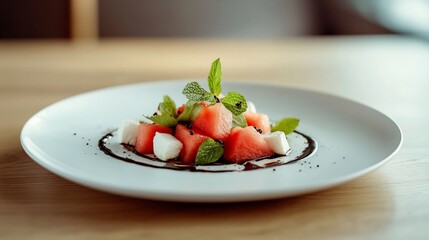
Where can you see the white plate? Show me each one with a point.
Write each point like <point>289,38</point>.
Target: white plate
<point>353,140</point>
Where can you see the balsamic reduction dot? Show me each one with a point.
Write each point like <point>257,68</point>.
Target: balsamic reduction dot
<point>317,165</point>
<point>258,130</point>
<point>186,123</point>
<point>274,169</point>
<point>74,134</point>
<point>216,98</point>
<point>87,144</point>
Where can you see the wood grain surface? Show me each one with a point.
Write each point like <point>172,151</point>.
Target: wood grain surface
<point>388,73</point>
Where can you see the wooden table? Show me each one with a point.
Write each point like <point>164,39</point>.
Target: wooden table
<point>388,73</point>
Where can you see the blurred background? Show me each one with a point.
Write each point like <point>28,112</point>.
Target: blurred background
<point>78,19</point>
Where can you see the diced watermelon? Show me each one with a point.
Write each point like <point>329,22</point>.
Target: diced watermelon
<point>191,141</point>
<point>214,121</point>
<point>258,120</point>
<point>245,144</point>
<point>145,135</point>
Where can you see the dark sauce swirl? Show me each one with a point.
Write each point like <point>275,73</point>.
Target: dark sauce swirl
<point>221,165</point>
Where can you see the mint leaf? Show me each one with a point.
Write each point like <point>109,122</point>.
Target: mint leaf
<point>194,91</point>
<point>164,120</point>
<point>192,108</point>
<point>239,121</point>
<point>195,111</point>
<point>215,77</point>
<point>209,152</point>
<point>168,107</point>
<point>235,103</point>
<point>286,125</point>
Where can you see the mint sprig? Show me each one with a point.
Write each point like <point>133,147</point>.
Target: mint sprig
<point>239,121</point>
<point>235,102</point>
<point>194,91</point>
<point>164,120</point>
<point>215,78</point>
<point>191,111</point>
<point>286,125</point>
<point>209,152</point>
<point>168,107</point>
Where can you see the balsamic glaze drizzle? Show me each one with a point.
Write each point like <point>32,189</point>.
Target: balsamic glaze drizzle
<point>177,165</point>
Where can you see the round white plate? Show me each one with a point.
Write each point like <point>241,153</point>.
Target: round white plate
<point>352,140</point>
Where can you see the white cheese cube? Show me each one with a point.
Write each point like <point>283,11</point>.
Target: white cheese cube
<point>127,132</point>
<point>277,142</point>
<point>251,107</point>
<point>166,146</point>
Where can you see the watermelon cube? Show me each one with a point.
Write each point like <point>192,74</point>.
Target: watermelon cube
<point>245,144</point>
<point>145,135</point>
<point>214,121</point>
<point>258,120</point>
<point>191,141</point>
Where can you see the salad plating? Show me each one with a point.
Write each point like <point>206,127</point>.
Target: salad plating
<point>210,132</point>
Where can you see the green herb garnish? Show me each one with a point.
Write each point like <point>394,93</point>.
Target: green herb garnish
<point>209,152</point>
<point>286,125</point>
<point>192,108</point>
<point>164,120</point>
<point>168,107</point>
<point>215,78</point>
<point>235,103</point>
<point>168,114</point>
<point>239,121</point>
<point>194,91</point>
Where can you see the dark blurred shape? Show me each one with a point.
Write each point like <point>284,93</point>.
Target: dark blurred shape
<point>34,19</point>
<point>342,17</point>
<point>205,18</point>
